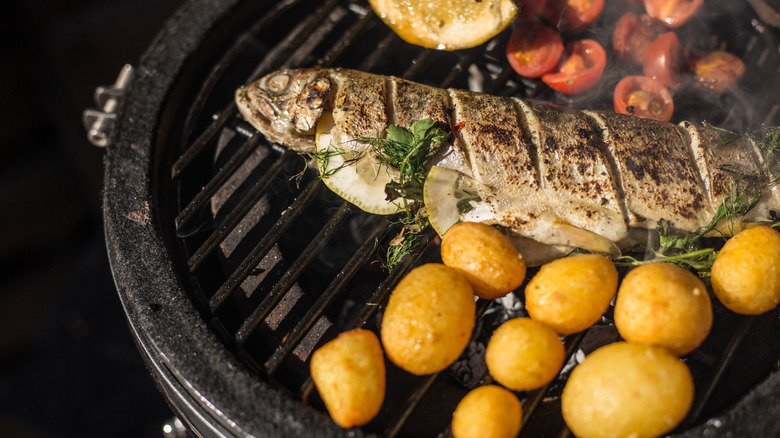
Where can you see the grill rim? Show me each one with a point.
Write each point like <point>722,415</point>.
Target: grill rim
<point>182,353</point>
<point>156,309</point>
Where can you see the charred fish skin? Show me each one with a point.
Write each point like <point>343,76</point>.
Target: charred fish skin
<point>541,170</point>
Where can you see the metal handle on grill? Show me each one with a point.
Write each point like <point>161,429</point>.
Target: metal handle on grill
<point>100,122</point>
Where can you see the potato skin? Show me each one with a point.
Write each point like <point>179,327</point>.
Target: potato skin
<point>746,272</point>
<point>572,293</point>
<point>626,389</point>
<point>349,373</point>
<point>485,256</point>
<point>488,411</point>
<point>524,354</point>
<point>428,319</point>
<point>665,305</point>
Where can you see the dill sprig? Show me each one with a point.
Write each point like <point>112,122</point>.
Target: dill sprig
<point>408,150</point>
<point>686,249</point>
<point>324,156</point>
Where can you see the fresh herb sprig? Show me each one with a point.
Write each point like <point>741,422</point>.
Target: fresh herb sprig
<point>685,249</point>
<point>408,150</point>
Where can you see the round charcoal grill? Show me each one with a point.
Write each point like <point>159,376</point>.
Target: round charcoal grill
<point>233,261</point>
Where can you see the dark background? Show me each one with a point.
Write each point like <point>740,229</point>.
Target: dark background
<point>68,366</point>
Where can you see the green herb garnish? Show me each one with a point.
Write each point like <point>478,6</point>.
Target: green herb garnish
<point>408,150</point>
<point>686,249</point>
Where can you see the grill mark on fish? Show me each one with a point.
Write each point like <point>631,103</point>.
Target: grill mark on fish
<point>541,169</point>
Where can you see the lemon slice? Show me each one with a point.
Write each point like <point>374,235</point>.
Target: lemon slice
<point>444,192</point>
<point>356,176</point>
<point>444,189</point>
<point>446,24</point>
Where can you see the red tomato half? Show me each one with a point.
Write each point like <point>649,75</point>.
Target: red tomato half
<point>633,35</point>
<point>573,15</point>
<point>718,70</point>
<point>662,60</point>
<point>643,97</point>
<point>533,49</point>
<point>674,13</point>
<point>580,67</point>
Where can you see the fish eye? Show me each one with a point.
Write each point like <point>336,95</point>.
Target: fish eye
<point>277,84</point>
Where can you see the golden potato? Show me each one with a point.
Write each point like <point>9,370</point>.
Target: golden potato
<point>349,373</point>
<point>485,256</point>
<point>664,305</point>
<point>524,354</point>
<point>626,389</point>
<point>428,319</point>
<point>746,272</point>
<point>487,412</point>
<point>571,294</point>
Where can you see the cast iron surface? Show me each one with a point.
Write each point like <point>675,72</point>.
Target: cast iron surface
<point>212,391</point>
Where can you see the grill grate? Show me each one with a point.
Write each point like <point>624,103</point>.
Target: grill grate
<point>277,264</point>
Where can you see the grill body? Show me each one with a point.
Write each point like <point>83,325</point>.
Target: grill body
<point>200,300</point>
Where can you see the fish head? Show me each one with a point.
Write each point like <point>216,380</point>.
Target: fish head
<point>285,105</point>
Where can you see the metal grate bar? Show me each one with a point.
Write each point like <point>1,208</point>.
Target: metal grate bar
<point>414,399</point>
<point>217,181</point>
<point>296,38</point>
<point>271,61</point>
<point>203,139</point>
<point>231,54</point>
<point>387,43</point>
<point>460,68</point>
<point>292,274</point>
<point>318,308</point>
<point>346,40</point>
<point>357,319</point>
<point>418,64</point>
<point>529,408</point>
<point>265,244</point>
<point>725,359</point>
<point>239,212</point>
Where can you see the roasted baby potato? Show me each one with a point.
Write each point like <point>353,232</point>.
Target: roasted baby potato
<point>485,256</point>
<point>487,412</point>
<point>428,319</point>
<point>524,354</point>
<point>571,294</point>
<point>627,390</point>
<point>349,373</point>
<point>746,272</point>
<point>665,305</point>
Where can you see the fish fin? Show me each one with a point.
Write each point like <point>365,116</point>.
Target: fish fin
<point>536,253</point>
<point>587,240</point>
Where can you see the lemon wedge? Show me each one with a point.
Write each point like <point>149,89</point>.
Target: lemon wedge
<point>446,24</point>
<point>357,176</point>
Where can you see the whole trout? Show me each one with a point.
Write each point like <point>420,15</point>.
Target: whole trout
<point>552,174</point>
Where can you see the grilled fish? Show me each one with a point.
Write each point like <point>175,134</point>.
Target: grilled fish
<point>555,175</point>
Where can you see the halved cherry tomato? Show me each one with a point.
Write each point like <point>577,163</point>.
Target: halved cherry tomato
<point>530,8</point>
<point>643,97</point>
<point>633,35</point>
<point>662,59</point>
<point>533,49</point>
<point>674,13</point>
<point>572,15</point>
<point>580,67</point>
<point>718,70</point>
